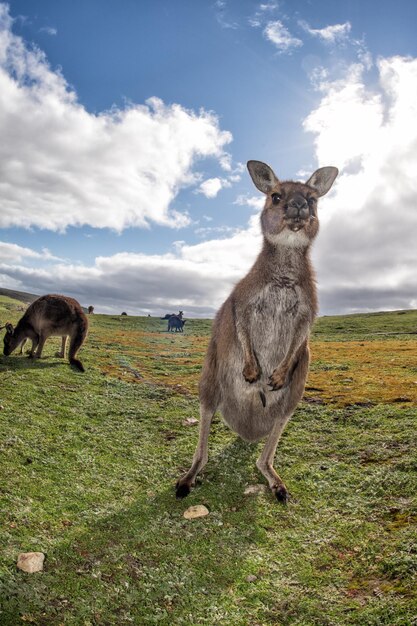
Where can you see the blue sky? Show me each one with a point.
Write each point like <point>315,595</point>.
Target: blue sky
<point>126,128</point>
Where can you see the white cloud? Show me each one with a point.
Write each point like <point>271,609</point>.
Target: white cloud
<point>49,30</point>
<point>329,34</point>
<point>221,15</point>
<point>61,165</point>
<point>366,254</point>
<point>13,252</point>
<point>211,187</point>
<point>196,278</point>
<point>282,39</point>
<point>205,231</point>
<point>226,162</point>
<point>268,6</point>
<point>256,202</point>
<point>259,17</point>
<point>347,100</point>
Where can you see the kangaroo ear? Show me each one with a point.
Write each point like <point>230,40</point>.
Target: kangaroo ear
<point>323,179</point>
<point>262,176</point>
<point>9,328</point>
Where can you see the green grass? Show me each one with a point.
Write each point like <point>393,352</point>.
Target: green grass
<point>89,462</point>
<point>366,326</point>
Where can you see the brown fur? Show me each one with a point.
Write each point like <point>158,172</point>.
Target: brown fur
<point>257,360</point>
<point>50,315</point>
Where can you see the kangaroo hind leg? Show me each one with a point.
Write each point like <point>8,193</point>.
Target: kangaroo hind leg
<point>293,395</point>
<point>184,484</point>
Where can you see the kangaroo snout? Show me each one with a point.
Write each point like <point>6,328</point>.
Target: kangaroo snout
<point>297,208</point>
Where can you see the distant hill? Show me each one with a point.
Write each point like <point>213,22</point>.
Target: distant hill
<point>353,326</point>
<point>22,296</point>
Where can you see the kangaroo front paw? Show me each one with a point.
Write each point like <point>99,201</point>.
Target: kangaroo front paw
<point>278,379</point>
<point>251,372</point>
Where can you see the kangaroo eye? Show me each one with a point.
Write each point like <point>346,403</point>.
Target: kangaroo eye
<point>276,197</point>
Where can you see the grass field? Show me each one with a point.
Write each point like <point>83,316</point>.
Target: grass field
<point>88,464</point>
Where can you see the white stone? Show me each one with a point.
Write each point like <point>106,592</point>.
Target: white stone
<point>199,510</point>
<point>190,421</point>
<point>254,490</point>
<point>31,562</point>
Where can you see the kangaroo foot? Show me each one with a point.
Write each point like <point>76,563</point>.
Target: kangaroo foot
<point>182,490</point>
<point>281,493</point>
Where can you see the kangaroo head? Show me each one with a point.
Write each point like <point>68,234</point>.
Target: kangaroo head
<point>9,343</point>
<point>290,213</point>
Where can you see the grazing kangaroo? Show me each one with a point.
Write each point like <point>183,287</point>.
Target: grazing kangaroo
<point>48,316</point>
<point>257,360</point>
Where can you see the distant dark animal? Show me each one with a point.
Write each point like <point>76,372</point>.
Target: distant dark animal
<point>257,360</point>
<point>124,313</point>
<point>168,315</point>
<point>48,316</point>
<point>176,323</point>
<point>90,310</point>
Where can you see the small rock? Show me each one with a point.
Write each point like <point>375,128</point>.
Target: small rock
<point>31,562</point>
<point>199,510</point>
<point>251,578</point>
<point>254,490</point>
<point>1,407</point>
<point>190,421</point>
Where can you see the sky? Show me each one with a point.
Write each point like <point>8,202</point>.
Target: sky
<point>125,128</point>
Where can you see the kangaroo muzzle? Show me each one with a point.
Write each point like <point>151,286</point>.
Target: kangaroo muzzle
<point>297,208</point>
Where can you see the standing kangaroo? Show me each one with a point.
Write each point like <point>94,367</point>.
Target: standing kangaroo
<point>48,316</point>
<point>257,360</point>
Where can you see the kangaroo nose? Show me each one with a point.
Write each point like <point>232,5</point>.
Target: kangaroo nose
<point>297,207</point>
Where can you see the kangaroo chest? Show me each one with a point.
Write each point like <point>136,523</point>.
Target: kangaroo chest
<point>273,317</point>
<point>279,300</point>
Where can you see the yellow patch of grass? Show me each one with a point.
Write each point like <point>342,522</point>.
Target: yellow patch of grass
<point>348,372</point>
<point>341,373</point>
